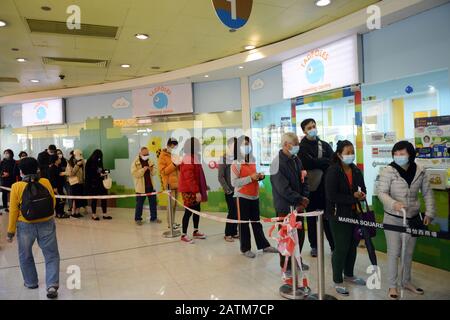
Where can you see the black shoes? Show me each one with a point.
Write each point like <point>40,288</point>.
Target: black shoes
<point>52,293</point>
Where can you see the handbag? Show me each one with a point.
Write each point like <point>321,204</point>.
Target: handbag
<point>73,180</point>
<point>107,182</point>
<point>365,216</point>
<point>315,175</point>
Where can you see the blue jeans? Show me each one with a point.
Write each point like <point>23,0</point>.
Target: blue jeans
<point>45,234</point>
<point>140,206</point>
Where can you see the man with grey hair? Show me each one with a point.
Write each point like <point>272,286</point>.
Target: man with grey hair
<point>289,187</point>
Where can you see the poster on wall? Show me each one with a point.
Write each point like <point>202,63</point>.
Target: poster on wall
<point>41,113</point>
<point>432,137</point>
<point>163,100</point>
<point>329,67</point>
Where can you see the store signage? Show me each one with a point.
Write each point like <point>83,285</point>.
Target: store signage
<point>332,66</point>
<point>233,13</point>
<point>163,100</point>
<point>41,113</point>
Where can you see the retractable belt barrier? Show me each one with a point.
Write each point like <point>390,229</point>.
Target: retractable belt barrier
<point>389,227</point>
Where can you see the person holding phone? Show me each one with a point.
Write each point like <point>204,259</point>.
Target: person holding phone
<point>398,189</point>
<point>344,187</point>
<point>75,172</point>
<point>244,179</point>
<point>142,170</point>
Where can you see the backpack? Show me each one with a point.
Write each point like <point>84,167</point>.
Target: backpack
<point>37,203</point>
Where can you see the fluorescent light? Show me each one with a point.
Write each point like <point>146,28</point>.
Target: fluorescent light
<point>249,47</point>
<point>21,60</point>
<point>141,36</point>
<point>206,76</point>
<point>322,3</point>
<point>2,23</point>
<point>125,65</point>
<point>34,81</point>
<point>241,67</point>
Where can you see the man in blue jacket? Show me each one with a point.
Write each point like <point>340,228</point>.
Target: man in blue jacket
<point>289,186</point>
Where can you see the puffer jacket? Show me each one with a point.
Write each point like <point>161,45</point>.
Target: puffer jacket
<point>77,171</point>
<point>138,173</point>
<point>168,170</point>
<point>391,188</point>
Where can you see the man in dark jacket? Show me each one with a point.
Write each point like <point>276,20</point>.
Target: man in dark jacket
<point>316,156</point>
<point>289,186</point>
<point>44,160</point>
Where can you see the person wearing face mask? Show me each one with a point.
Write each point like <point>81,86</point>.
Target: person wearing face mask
<point>22,155</point>
<point>224,177</point>
<point>289,188</point>
<point>142,170</point>
<point>95,173</point>
<point>398,188</point>
<point>344,187</point>
<point>57,180</point>
<point>245,180</point>
<point>7,169</point>
<point>193,187</point>
<point>44,160</point>
<point>168,164</point>
<point>75,172</point>
<point>315,155</point>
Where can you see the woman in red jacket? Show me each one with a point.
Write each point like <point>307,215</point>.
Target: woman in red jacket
<point>192,185</point>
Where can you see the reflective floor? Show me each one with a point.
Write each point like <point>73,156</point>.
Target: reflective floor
<point>119,260</point>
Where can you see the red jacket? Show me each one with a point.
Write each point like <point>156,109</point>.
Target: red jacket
<point>189,179</point>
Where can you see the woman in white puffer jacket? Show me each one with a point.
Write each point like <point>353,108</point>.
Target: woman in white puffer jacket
<point>398,188</point>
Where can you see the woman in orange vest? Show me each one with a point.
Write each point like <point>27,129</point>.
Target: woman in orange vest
<point>244,179</point>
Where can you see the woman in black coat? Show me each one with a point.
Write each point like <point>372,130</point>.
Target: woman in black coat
<point>344,187</point>
<point>7,169</point>
<point>95,174</point>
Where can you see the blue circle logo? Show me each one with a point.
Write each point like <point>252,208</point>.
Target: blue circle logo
<point>41,113</point>
<point>160,101</point>
<point>315,71</point>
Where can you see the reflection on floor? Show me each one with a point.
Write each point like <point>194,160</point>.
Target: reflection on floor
<point>119,260</point>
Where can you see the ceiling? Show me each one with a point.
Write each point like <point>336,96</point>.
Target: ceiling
<point>182,33</point>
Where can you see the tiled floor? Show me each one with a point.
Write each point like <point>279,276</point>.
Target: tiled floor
<point>119,260</point>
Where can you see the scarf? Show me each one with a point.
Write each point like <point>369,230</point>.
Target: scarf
<point>407,175</point>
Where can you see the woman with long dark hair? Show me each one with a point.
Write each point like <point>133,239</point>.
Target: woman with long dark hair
<point>95,174</point>
<point>344,187</point>
<point>193,188</point>
<point>398,189</point>
<point>244,179</point>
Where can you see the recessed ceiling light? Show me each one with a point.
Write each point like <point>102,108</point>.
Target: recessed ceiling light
<point>322,3</point>
<point>34,81</point>
<point>21,60</point>
<point>15,49</point>
<point>249,47</point>
<point>2,23</point>
<point>46,8</point>
<point>241,67</point>
<point>141,36</point>
<point>156,68</point>
<point>206,76</point>
<point>125,65</point>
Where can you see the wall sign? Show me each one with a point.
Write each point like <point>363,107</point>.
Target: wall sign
<point>42,113</point>
<point>332,66</point>
<point>233,13</point>
<point>163,100</point>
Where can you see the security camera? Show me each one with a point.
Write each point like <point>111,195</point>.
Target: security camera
<point>61,76</point>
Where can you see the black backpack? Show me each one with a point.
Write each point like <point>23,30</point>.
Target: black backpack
<point>37,203</point>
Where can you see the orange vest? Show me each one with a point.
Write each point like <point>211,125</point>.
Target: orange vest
<point>252,188</point>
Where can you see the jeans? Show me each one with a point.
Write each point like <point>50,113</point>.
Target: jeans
<point>231,228</point>
<point>45,234</point>
<point>140,205</point>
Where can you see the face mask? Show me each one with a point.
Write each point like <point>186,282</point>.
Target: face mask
<point>348,158</point>
<point>312,133</point>
<point>246,150</point>
<point>6,156</point>
<point>145,158</point>
<point>401,160</point>
<point>294,150</point>
<point>60,156</point>
<point>78,158</point>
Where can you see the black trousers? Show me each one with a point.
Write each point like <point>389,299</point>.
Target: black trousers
<point>59,208</point>
<point>187,216</point>
<point>231,228</point>
<point>249,210</point>
<point>317,202</point>
<point>99,192</point>
<point>5,198</point>
<point>301,241</point>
